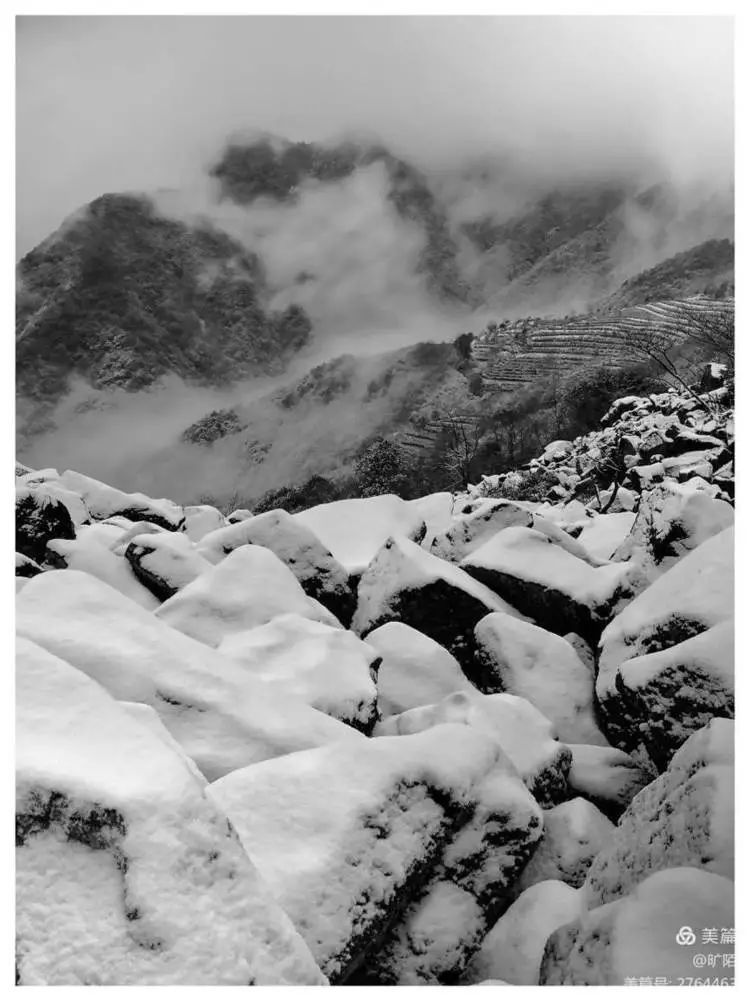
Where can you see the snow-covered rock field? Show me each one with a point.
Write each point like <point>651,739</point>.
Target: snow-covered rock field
<point>458,740</point>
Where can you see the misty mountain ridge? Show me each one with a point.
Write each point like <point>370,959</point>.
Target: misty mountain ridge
<point>294,253</point>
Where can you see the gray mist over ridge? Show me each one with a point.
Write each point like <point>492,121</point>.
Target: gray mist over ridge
<point>496,112</point>
<point>131,103</point>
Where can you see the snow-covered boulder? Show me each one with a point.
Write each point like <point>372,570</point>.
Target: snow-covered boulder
<point>513,949</point>
<point>659,678</point>
<point>248,588</point>
<point>354,530</point>
<point>200,519</point>
<point>239,514</point>
<point>544,581</point>
<point>684,817</point>
<point>104,501</point>
<point>518,657</point>
<point>523,733</point>
<point>359,829</point>
<point>442,927</point>
<point>165,562</point>
<point>635,939</point>
<point>321,576</point>
<point>26,567</point>
<point>574,833</point>
<point>602,534</point>
<point>414,671</point>
<point>222,717</point>
<point>91,553</point>
<point>672,520</point>
<point>405,583</point>
<point>126,873</point>
<point>40,517</point>
<point>607,776</point>
<point>469,531</point>
<point>329,669</point>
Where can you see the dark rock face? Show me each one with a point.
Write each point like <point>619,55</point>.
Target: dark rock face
<point>26,567</point>
<point>38,520</point>
<point>158,586</point>
<point>123,296</point>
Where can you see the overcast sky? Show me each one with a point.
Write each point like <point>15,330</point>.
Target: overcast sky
<point>132,103</point>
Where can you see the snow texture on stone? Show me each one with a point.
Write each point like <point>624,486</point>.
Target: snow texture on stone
<point>574,833</point>
<point>355,530</point>
<point>694,595</point>
<point>520,658</point>
<point>468,532</point>
<point>103,501</point>
<point>165,562</point>
<point>546,582</point>
<point>603,533</point>
<point>672,520</point>
<point>358,829</point>
<point>607,776</point>
<point>248,588</point>
<point>329,669</point>
<point>405,583</point>
<point>89,552</point>
<point>321,576</point>
<point>126,873</point>
<point>40,517</point>
<point>216,712</point>
<point>513,949</point>
<point>521,731</point>
<point>684,817</point>
<point>415,670</point>
<point>635,937</point>
<point>200,519</point>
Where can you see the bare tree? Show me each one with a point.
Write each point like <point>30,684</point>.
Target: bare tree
<point>462,436</point>
<point>690,339</point>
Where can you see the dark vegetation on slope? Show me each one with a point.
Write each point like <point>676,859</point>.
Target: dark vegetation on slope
<point>247,171</point>
<point>500,438</point>
<point>706,269</point>
<point>122,296</point>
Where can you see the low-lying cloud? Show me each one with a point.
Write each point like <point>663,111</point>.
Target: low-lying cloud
<point>134,103</point>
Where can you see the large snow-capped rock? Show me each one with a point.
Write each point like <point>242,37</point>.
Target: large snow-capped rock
<point>607,776</point>
<point>359,828</point>
<point>443,925</point>
<point>40,517</point>
<point>672,520</point>
<point>328,668</point>
<point>518,657</point>
<point>684,817</point>
<point>574,833</point>
<point>321,576</point>
<point>602,534</point>
<point>659,677</point>
<point>126,873</point>
<point>164,562</point>
<point>104,501</point>
<point>469,531</point>
<point>634,939</point>
<point>405,583</point>
<point>414,671</point>
<point>546,582</point>
<point>200,519</point>
<point>523,733</point>
<point>221,716</point>
<point>355,530</point>
<point>91,553</point>
<point>248,588</point>
<point>513,949</point>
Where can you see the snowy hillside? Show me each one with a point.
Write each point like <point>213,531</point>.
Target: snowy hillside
<point>454,740</point>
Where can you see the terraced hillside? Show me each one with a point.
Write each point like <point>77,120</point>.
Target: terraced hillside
<point>518,352</point>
